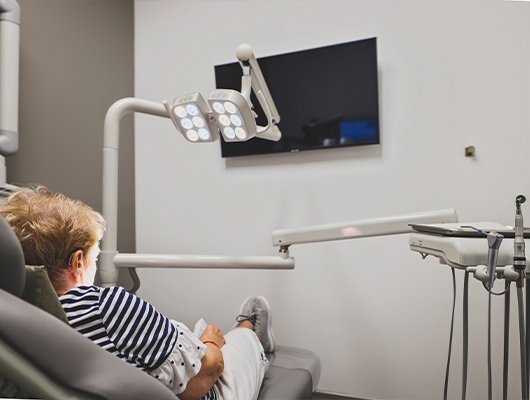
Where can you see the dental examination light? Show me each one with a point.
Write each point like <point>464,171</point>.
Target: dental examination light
<point>235,117</point>
<point>230,113</point>
<point>9,72</point>
<point>193,118</point>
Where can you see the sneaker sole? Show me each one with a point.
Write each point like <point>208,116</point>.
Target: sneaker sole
<point>270,334</point>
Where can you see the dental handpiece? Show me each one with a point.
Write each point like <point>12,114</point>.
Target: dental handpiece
<point>519,257</point>
<point>494,242</point>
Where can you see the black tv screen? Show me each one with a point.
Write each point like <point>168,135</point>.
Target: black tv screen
<point>327,97</point>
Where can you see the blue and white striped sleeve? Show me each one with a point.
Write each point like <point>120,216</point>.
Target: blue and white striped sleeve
<point>139,332</point>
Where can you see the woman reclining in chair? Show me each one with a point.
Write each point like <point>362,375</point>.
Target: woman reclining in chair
<point>63,235</point>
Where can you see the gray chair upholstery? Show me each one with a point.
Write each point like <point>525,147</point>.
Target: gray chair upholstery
<point>13,277</point>
<point>73,364</point>
<point>40,292</point>
<point>48,359</point>
<point>293,358</point>
<point>284,383</point>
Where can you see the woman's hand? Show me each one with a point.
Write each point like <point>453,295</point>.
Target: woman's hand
<point>212,365</point>
<point>214,335</point>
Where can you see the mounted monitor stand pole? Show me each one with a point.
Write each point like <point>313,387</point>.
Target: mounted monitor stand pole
<point>9,72</point>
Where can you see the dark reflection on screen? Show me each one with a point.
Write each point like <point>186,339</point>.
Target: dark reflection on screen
<point>327,98</point>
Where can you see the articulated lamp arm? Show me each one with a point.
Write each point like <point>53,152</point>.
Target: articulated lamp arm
<point>253,78</point>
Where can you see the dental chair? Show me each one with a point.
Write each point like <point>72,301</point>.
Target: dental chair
<point>45,358</point>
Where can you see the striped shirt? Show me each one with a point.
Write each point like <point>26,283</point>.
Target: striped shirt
<point>121,323</point>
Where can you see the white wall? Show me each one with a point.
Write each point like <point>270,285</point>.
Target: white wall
<point>453,73</point>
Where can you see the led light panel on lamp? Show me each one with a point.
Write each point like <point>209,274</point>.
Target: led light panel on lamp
<point>191,114</point>
<point>233,114</point>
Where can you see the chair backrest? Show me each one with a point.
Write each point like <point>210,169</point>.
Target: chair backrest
<point>65,360</point>
<point>12,274</point>
<point>47,358</point>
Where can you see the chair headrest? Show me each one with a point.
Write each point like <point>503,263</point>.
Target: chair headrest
<point>12,272</point>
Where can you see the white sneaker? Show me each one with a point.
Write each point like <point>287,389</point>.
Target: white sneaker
<point>256,309</point>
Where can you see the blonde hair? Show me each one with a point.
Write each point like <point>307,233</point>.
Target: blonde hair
<point>51,227</point>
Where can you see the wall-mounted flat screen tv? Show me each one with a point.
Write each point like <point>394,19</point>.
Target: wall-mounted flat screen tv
<point>327,97</point>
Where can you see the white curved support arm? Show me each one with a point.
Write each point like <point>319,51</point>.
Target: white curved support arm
<point>107,271</point>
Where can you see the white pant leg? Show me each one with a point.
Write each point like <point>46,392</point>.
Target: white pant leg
<point>244,366</point>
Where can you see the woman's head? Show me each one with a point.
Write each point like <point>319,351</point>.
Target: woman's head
<point>53,229</point>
